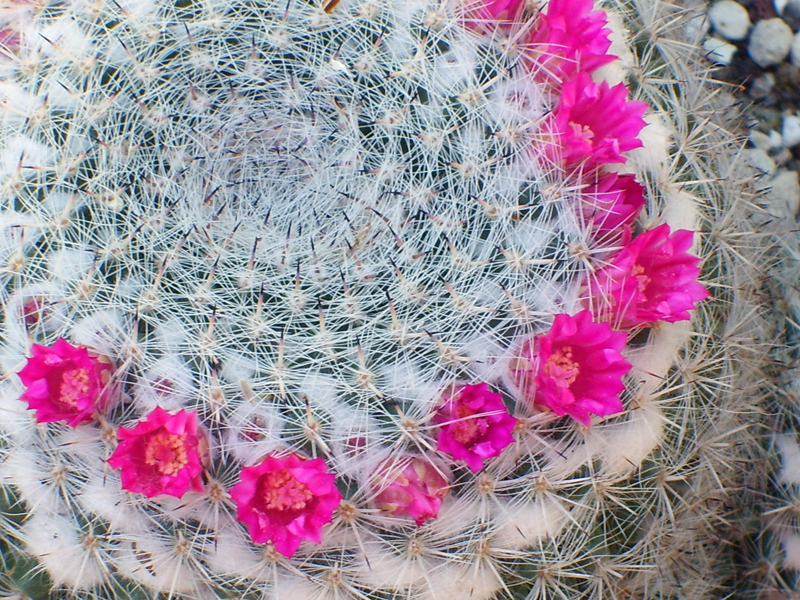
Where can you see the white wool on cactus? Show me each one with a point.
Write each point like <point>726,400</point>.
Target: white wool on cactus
<point>363,300</point>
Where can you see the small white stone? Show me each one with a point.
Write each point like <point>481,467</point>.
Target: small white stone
<point>780,5</point>
<point>760,163</point>
<point>760,140</point>
<point>719,51</point>
<point>761,86</point>
<point>770,42</point>
<point>775,140</point>
<point>782,194</point>
<point>790,131</point>
<point>729,19</point>
<point>794,51</point>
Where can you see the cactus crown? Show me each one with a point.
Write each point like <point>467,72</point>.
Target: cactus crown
<point>305,223</point>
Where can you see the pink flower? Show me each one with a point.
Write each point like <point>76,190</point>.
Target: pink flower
<point>568,38</point>
<point>500,10</point>
<point>411,486</point>
<point>609,203</point>
<point>474,425</point>
<point>163,454</point>
<point>652,279</point>
<point>593,124</point>
<point>66,383</point>
<point>286,500</point>
<point>574,369</point>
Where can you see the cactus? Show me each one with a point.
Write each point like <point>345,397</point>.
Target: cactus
<point>769,533</point>
<point>311,225</point>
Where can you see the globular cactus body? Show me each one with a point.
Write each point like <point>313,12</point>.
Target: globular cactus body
<point>306,223</point>
<point>771,549</point>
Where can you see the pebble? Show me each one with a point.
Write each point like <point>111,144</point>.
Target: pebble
<point>787,82</point>
<point>790,130</point>
<point>719,51</point>
<point>770,42</point>
<point>794,51</point>
<point>730,20</point>
<point>782,193</point>
<point>782,157</point>
<point>762,86</point>
<point>759,162</point>
<point>760,140</point>
<point>791,6</point>
<point>791,14</point>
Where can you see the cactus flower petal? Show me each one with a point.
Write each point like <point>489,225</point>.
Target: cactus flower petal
<point>609,203</point>
<point>474,425</point>
<point>653,278</point>
<point>286,500</point>
<point>163,454</point>
<point>574,369</point>
<point>66,383</point>
<point>570,37</point>
<point>500,10</point>
<point>411,486</point>
<point>593,124</point>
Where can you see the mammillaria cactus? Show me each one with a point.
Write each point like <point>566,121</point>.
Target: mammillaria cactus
<point>771,548</point>
<point>329,241</point>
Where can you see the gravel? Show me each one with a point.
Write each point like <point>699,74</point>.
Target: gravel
<point>794,51</point>
<point>791,14</point>
<point>760,163</point>
<point>730,20</point>
<point>760,140</point>
<point>719,51</point>
<point>782,194</point>
<point>765,69</point>
<point>790,131</point>
<point>770,42</point>
<point>762,86</point>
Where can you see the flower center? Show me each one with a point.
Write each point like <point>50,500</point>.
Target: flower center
<point>561,367</point>
<point>467,428</point>
<point>583,132</point>
<point>166,452</point>
<point>642,281</point>
<point>74,384</point>
<point>281,491</point>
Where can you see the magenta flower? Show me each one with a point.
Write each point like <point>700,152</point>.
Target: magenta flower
<point>610,203</point>
<point>474,425</point>
<point>500,10</point>
<point>593,124</point>
<point>286,500</point>
<point>410,486</point>
<point>574,369</point>
<point>163,454</point>
<point>653,278</point>
<point>66,383</point>
<point>569,37</point>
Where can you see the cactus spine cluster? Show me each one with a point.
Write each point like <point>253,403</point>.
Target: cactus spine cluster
<point>304,221</point>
